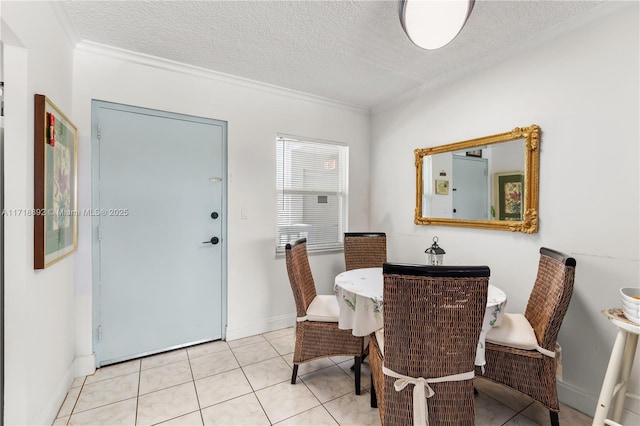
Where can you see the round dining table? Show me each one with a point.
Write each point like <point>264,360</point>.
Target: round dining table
<point>359,293</point>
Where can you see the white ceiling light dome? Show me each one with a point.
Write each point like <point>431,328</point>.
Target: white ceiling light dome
<point>432,24</point>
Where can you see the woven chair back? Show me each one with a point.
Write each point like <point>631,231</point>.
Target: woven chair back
<point>550,297</point>
<point>364,250</point>
<point>432,321</point>
<point>300,277</point>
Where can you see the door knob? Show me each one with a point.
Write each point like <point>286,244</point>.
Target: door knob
<point>214,215</point>
<point>213,240</point>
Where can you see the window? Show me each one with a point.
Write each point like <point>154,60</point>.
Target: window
<point>312,192</point>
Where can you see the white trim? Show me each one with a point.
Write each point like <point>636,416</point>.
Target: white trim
<point>255,328</point>
<point>48,415</point>
<point>299,138</point>
<point>81,366</point>
<point>576,398</point>
<point>84,365</point>
<point>179,67</point>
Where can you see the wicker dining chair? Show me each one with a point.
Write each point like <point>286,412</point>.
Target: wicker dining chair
<point>432,322</point>
<point>317,332</point>
<point>521,352</point>
<point>364,249</point>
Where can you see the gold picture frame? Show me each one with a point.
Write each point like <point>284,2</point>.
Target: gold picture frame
<point>55,184</point>
<point>528,223</point>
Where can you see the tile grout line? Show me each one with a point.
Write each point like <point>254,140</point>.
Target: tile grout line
<point>322,404</point>
<point>195,388</point>
<point>193,380</point>
<point>135,417</point>
<point>74,412</point>
<point>254,390</point>
<point>520,413</point>
<point>250,385</point>
<point>516,412</point>
<point>510,418</point>
<point>281,356</point>
<point>311,392</point>
<point>76,402</point>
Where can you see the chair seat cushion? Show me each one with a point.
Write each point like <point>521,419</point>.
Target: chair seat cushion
<point>515,331</point>
<point>324,308</point>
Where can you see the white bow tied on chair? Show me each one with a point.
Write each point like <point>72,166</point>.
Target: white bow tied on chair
<point>420,384</point>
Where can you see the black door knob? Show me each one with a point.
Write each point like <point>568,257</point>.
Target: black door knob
<point>213,240</point>
<point>454,210</point>
<point>214,215</point>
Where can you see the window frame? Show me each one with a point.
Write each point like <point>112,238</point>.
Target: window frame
<point>341,195</point>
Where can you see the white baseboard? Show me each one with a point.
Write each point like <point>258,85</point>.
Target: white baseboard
<point>51,411</point>
<point>577,399</point>
<point>630,418</point>
<point>263,326</point>
<point>81,366</point>
<point>84,365</point>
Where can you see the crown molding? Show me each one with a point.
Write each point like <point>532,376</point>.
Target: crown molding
<point>65,22</point>
<point>182,68</point>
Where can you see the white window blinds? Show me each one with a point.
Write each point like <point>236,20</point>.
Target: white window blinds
<point>312,192</point>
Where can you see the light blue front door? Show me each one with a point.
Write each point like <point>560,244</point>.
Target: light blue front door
<point>159,220</point>
<point>470,188</point>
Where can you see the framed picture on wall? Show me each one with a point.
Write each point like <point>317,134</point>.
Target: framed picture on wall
<point>55,184</point>
<point>509,195</point>
<point>442,187</point>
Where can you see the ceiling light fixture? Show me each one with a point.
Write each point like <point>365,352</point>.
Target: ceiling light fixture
<point>431,24</point>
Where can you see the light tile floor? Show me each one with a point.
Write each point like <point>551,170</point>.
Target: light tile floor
<point>247,382</point>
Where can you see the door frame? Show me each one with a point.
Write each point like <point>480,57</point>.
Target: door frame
<point>96,105</point>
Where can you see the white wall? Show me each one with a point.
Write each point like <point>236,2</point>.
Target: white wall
<point>259,294</point>
<point>39,309</point>
<point>48,315</point>
<point>582,89</point>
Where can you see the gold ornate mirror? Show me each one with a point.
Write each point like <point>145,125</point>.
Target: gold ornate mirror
<point>489,182</point>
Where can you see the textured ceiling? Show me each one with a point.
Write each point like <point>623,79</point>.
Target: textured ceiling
<point>350,51</point>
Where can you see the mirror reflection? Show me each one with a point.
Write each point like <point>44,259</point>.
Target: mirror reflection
<point>489,182</point>
<point>465,183</point>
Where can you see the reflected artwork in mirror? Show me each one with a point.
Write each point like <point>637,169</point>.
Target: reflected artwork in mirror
<point>489,182</point>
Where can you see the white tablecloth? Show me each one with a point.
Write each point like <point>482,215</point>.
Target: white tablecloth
<point>359,293</point>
